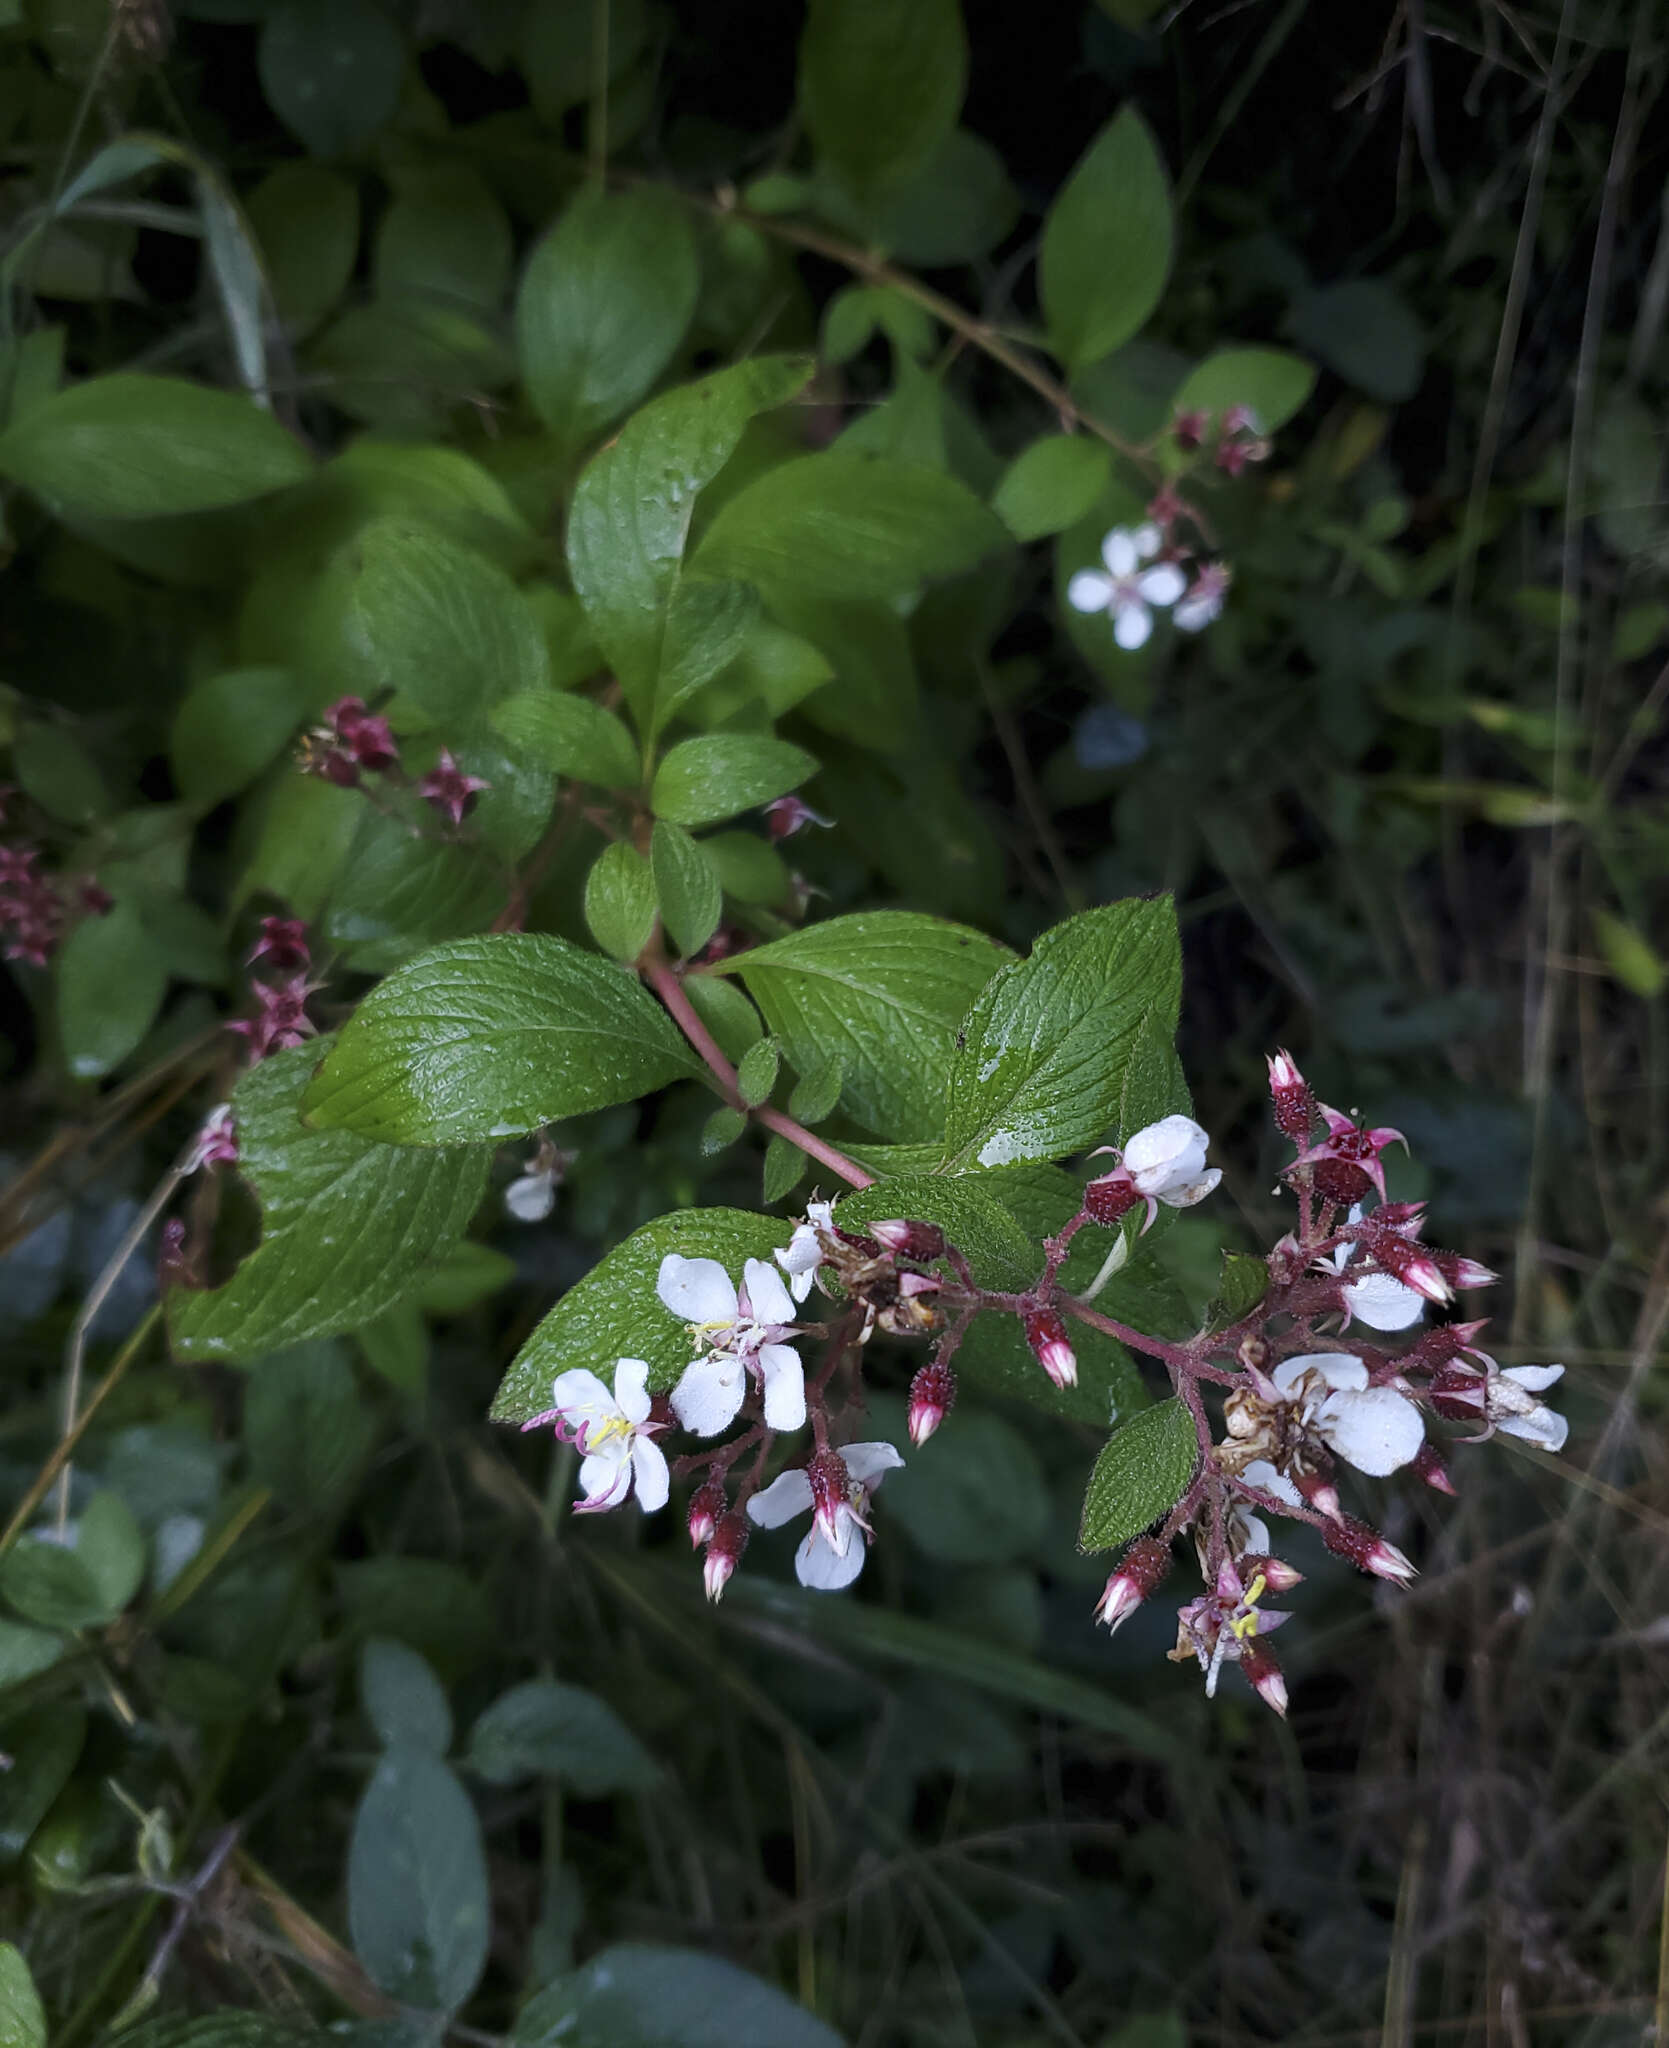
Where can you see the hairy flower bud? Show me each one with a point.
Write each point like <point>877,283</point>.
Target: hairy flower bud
<point>1265,1675</point>
<point>830,1485</point>
<point>724,1552</point>
<point>932,1396</point>
<point>1459,1393</point>
<point>1139,1570</point>
<point>1112,1196</point>
<point>909,1240</point>
<point>1293,1097</point>
<point>707,1505</point>
<point>283,945</point>
<point>1429,1466</point>
<point>1367,1549</point>
<point>1052,1348</point>
<point>1320,1492</point>
<point>1278,1576</point>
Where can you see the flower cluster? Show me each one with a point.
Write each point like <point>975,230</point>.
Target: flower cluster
<point>35,906</point>
<point>352,742</point>
<point>280,989</point>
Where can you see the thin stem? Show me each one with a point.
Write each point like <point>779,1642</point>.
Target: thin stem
<point>670,989</point>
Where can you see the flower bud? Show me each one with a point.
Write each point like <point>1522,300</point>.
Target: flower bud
<point>1293,1097</point>
<point>724,1553</point>
<point>1278,1576</point>
<point>1110,1197</point>
<point>1367,1550</point>
<point>1052,1348</point>
<point>707,1505</point>
<point>1189,428</point>
<point>830,1483</point>
<point>910,1240</point>
<point>1320,1492</point>
<point>1338,1180</point>
<point>1427,1465</point>
<point>1265,1674</point>
<point>932,1396</point>
<point>283,942</point>
<point>1139,1570</point>
<point>791,814</point>
<point>1459,1393</point>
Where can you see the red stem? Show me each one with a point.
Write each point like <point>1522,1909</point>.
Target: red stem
<point>670,989</point>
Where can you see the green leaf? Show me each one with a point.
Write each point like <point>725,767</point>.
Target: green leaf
<point>110,987</point>
<point>231,727</point>
<point>1366,332</point>
<point>1632,958</point>
<point>756,1073</point>
<point>620,901</point>
<point>636,1995</point>
<point>881,84</point>
<point>26,1652</point>
<point>109,1543</point>
<point>703,781</point>
<point>1039,1070</point>
<point>955,209</point>
<point>85,1582</point>
<point>435,1609</point>
<point>403,1699</point>
<point>557,54</point>
<point>880,993</point>
<point>1106,243</point>
<point>441,624</point>
<point>346,1225</point>
<point>305,1428</point>
<point>726,1012</point>
<point>614,1312</point>
<point>972,1494</point>
<point>417,1883</point>
<point>1151,2030</point>
<point>604,302</point>
<point>307,826</point>
<point>1271,382</point>
<point>687,884</point>
<point>398,893</point>
<point>1052,483</point>
<point>545,1730</point>
<point>749,869</point>
<point>42,1746</point>
<point>331,70</point>
<point>22,2016</point>
<point>722,1130</point>
<point>971,1213</point>
<point>1142,1472</point>
<point>571,736</point>
<point>306,220</point>
<point>1154,1085</point>
<point>445,236</point>
<point>489,1038</point>
<point>849,527</point>
<point>57,771</point>
<point>632,509</point>
<point>463,1276</point>
<point>1242,1285</point>
<point>135,447</point>
<point>707,627</point>
<point>785,1167</point>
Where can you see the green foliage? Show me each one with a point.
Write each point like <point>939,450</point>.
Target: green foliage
<point>1142,1471</point>
<point>110,986</point>
<point>638,1996</point>
<point>417,1882</point>
<point>881,85</point>
<point>22,2016</point>
<point>620,901</point>
<point>1107,244</point>
<point>542,1729</point>
<point>687,885</point>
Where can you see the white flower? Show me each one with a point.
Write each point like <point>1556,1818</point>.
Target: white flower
<point>1515,1411</point>
<point>832,1554</point>
<point>1377,1299</point>
<point>1203,600</point>
<point>1166,1161</point>
<point>1127,590</point>
<point>743,1332</point>
<point>1264,1476</point>
<point>614,1435</point>
<point>1376,1429</point>
<point>804,1252</point>
<point>531,1198</point>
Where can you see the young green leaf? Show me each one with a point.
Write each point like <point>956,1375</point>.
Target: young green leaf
<point>1050,484</point>
<point>722,1130</point>
<point>1040,1065</point>
<point>134,447</point>
<point>1272,384</point>
<point>403,1699</point>
<point>749,869</point>
<point>445,237</point>
<point>42,1746</point>
<point>331,70</point>
<point>545,1730</point>
<point>880,993</point>
<point>620,901</point>
<point>487,1038</point>
<point>726,1012</point>
<point>110,986</point>
<point>756,1073</point>
<point>604,302</point>
<point>230,727</point>
<point>26,1652</point>
<point>87,1582</point>
<point>637,1995</point>
<point>417,1883</point>
<point>346,1225</point>
<point>881,84</point>
<point>705,780</point>
<point>305,1427</point>
<point>785,1168</point>
<point>58,772</point>
<point>707,626</point>
<point>614,1312</point>
<point>633,505</point>
<point>306,220</point>
<point>22,2016</point>
<point>570,736</point>
<point>687,884</point>
<point>971,1212</point>
<point>1106,243</point>
<point>1242,1285</point>
<point>1142,1472</point>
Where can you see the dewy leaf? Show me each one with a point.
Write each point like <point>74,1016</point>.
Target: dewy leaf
<point>546,1730</point>
<point>969,1209</point>
<point>881,84</point>
<point>631,513</point>
<point>489,1038</point>
<point>848,526</point>
<point>441,624</point>
<point>130,446</point>
<point>1039,1070</point>
<point>1154,1083</point>
<point>417,1883</point>
<point>707,627</point>
<point>880,993</point>
<point>1106,244</point>
<point>110,987</point>
<point>705,780</point>
<point>1273,384</point>
<point>614,1312</point>
<point>637,1995</point>
<point>403,1699</point>
<point>1142,1472</point>
<point>688,887</point>
<point>331,70</point>
<point>346,1225</point>
<point>604,302</point>
<point>571,736</point>
<point>620,901</point>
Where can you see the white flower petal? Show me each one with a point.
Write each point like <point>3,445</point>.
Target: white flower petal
<point>1384,1303</point>
<point>1543,1427</point>
<point>870,1463</point>
<point>768,1297</point>
<point>1535,1379</point>
<point>823,1569</point>
<point>1163,1145</point>
<point>1089,591</point>
<point>531,1198</point>
<point>1132,624</point>
<point>1338,1369</point>
<point>696,1290</point>
<point>1194,614</point>
<point>631,1389</point>
<point>606,1477</point>
<point>1120,553</point>
<point>649,1468</point>
<point>788,1495</point>
<point>582,1400</point>
<point>785,1386</point>
<point>1190,1192</point>
<point>1254,1528</point>
<point>1375,1430</point>
<point>1265,1477</point>
<point>1163,584</point>
<point>706,1399</point>
<point>1148,540</point>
